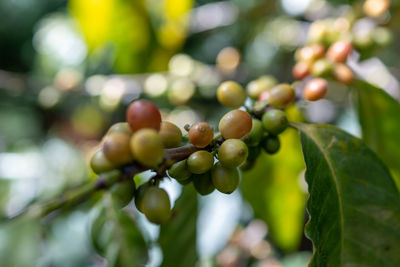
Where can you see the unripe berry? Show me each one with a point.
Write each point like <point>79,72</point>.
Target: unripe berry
<point>200,162</point>
<point>203,183</point>
<point>156,205</point>
<point>147,147</point>
<point>225,180</point>
<point>256,87</point>
<point>271,144</point>
<point>256,134</point>
<point>232,153</point>
<point>143,114</point>
<point>99,163</point>
<point>139,194</point>
<point>317,32</point>
<point>116,148</point>
<point>343,73</point>
<point>170,134</point>
<point>231,94</point>
<point>235,124</point>
<point>180,171</point>
<point>201,134</point>
<point>120,127</point>
<point>301,70</point>
<point>279,96</point>
<point>275,121</point>
<point>315,89</point>
<point>339,51</point>
<point>123,192</point>
<point>321,67</point>
<point>254,152</point>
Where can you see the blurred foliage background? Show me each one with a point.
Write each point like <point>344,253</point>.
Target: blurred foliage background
<point>69,68</point>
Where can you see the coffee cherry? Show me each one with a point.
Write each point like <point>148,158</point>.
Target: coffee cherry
<point>376,8</point>
<point>187,181</point>
<point>232,153</point>
<point>301,70</point>
<point>315,89</point>
<point>120,127</point>
<point>256,87</point>
<point>318,51</point>
<point>143,114</point>
<point>254,152</point>
<point>271,144</point>
<point>180,171</point>
<point>256,133</point>
<point>139,194</point>
<point>116,148</point>
<point>235,124</point>
<point>343,74</point>
<point>225,180</point>
<point>203,183</point>
<point>123,192</point>
<point>147,147</point>
<point>201,134</point>
<point>279,96</point>
<point>275,121</point>
<point>305,54</point>
<point>170,134</point>
<point>99,163</point>
<point>156,205</point>
<point>339,51</point>
<point>317,32</point>
<point>321,68</point>
<point>231,94</point>
<point>200,161</point>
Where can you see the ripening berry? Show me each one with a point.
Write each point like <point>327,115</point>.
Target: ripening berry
<point>232,153</point>
<point>225,180</point>
<point>339,51</point>
<point>256,87</point>
<point>343,74</point>
<point>170,134</point>
<point>301,70</point>
<point>305,54</point>
<point>200,162</point>
<point>231,94</point>
<point>201,134</point>
<point>179,171</point>
<point>139,194</point>
<point>123,192</point>
<point>271,144</point>
<point>120,127</point>
<point>147,147</point>
<point>156,205</point>
<point>116,148</point>
<point>315,89</point>
<point>279,96</point>
<point>143,114</point>
<point>275,121</point>
<point>235,124</point>
<point>318,51</point>
<point>99,163</point>
<point>256,134</point>
<point>203,183</point>
<point>321,68</point>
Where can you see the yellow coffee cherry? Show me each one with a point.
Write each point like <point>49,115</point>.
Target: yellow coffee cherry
<point>147,147</point>
<point>231,94</point>
<point>116,148</point>
<point>170,134</point>
<point>235,124</point>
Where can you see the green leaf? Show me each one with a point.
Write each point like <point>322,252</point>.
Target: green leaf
<point>272,189</point>
<point>379,117</point>
<point>354,204</point>
<point>116,236</point>
<point>178,236</point>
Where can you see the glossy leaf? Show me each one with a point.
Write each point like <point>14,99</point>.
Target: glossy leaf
<point>379,116</point>
<point>354,205</point>
<point>178,236</point>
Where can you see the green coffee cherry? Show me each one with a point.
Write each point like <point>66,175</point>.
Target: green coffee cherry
<point>232,153</point>
<point>123,192</point>
<point>271,144</point>
<point>256,134</point>
<point>203,183</point>
<point>147,147</point>
<point>321,68</point>
<point>225,180</point>
<point>156,205</point>
<point>187,181</point>
<point>139,194</point>
<point>180,171</point>
<point>120,127</point>
<point>275,121</point>
<point>200,162</point>
<point>99,163</point>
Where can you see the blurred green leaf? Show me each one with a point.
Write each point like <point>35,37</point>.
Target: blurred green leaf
<point>379,117</point>
<point>272,189</point>
<point>354,204</point>
<point>178,236</point>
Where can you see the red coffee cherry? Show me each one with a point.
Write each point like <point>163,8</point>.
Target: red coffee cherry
<point>339,51</point>
<point>201,134</point>
<point>235,124</point>
<point>143,114</point>
<point>301,70</point>
<point>315,89</point>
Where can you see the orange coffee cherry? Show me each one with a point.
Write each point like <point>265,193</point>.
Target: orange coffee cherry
<point>201,134</point>
<point>315,89</point>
